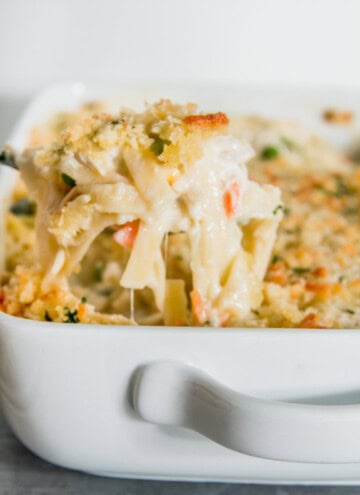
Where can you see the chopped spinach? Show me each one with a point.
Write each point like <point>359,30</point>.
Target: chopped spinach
<point>355,156</point>
<point>158,144</point>
<point>341,188</point>
<point>106,291</point>
<point>97,274</point>
<point>69,181</point>
<point>288,143</point>
<point>8,158</point>
<point>296,230</point>
<point>23,206</point>
<point>71,316</point>
<point>47,316</point>
<point>285,210</point>
<point>351,211</point>
<point>109,230</point>
<point>300,271</point>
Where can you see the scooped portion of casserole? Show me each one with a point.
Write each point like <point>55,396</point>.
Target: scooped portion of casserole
<point>143,217</point>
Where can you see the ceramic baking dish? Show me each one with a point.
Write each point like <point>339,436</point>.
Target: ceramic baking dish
<point>254,405</point>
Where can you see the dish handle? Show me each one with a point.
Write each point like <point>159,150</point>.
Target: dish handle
<point>172,393</point>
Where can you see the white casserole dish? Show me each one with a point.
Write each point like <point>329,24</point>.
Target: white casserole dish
<point>69,392</point>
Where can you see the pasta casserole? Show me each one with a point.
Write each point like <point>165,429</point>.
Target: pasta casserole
<point>175,217</point>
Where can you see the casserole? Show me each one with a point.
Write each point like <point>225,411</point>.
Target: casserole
<point>76,396</point>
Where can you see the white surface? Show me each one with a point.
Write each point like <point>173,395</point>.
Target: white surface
<point>65,388</point>
<point>288,41</point>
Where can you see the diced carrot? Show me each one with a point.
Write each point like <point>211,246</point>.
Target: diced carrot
<point>2,300</point>
<point>231,199</point>
<point>337,288</point>
<point>350,249</point>
<point>320,272</point>
<point>324,290</point>
<point>173,177</point>
<point>178,323</point>
<point>82,311</point>
<point>224,319</point>
<point>277,274</point>
<point>312,320</point>
<point>355,284</point>
<point>208,121</point>
<point>23,279</point>
<point>296,291</point>
<point>198,307</point>
<point>126,234</point>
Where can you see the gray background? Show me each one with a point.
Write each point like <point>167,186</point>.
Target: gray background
<point>22,473</point>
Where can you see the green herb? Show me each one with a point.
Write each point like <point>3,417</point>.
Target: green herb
<point>83,300</point>
<point>47,316</point>
<point>341,188</point>
<point>350,311</point>
<point>60,151</point>
<point>321,188</point>
<point>285,210</point>
<point>350,211</point>
<point>341,279</point>
<point>290,145</point>
<point>8,158</point>
<point>97,274</point>
<point>276,258</point>
<point>109,231</point>
<point>71,316</point>
<point>355,156</point>
<point>269,153</point>
<point>296,230</point>
<point>301,271</point>
<point>106,291</point>
<point>23,206</point>
<point>69,181</point>
<point>178,257</point>
<point>158,144</point>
